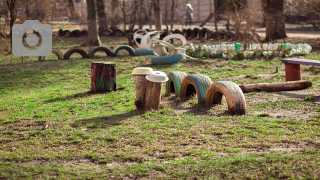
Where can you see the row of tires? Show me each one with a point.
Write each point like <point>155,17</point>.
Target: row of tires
<point>208,92</point>
<point>91,53</point>
<point>199,33</point>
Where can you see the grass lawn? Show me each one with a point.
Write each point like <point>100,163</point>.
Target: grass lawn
<point>52,127</point>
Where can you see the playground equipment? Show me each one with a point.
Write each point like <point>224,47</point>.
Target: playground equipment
<point>174,82</point>
<point>148,85</point>
<point>208,93</point>
<point>233,94</point>
<point>195,84</point>
<point>248,51</point>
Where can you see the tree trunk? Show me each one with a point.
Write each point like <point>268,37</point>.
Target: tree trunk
<point>72,10</point>
<point>93,36</point>
<point>153,95</point>
<point>140,16</point>
<point>150,15</point>
<point>157,15</point>
<point>102,17</point>
<point>173,7</point>
<point>115,4</point>
<point>11,7</point>
<point>140,83</point>
<point>275,19</point>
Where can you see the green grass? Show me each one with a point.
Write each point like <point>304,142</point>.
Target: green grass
<point>52,127</point>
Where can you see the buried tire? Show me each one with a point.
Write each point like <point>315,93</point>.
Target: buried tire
<point>233,94</point>
<point>125,47</point>
<point>100,48</point>
<point>54,51</point>
<point>174,83</point>
<point>80,51</point>
<point>195,84</point>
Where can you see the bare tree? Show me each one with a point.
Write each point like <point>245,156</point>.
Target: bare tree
<point>275,19</point>
<point>102,17</point>
<point>173,7</point>
<point>11,4</point>
<point>157,14</point>
<point>72,10</point>
<point>115,5</point>
<point>93,36</point>
<point>140,15</point>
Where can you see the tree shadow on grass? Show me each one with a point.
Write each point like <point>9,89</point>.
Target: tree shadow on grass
<point>107,121</point>
<point>295,95</point>
<point>78,95</point>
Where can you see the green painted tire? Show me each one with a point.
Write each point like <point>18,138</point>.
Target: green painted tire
<point>139,52</point>
<point>195,84</point>
<point>174,83</point>
<point>54,51</point>
<point>125,47</point>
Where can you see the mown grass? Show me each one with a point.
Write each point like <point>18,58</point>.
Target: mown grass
<point>53,127</point>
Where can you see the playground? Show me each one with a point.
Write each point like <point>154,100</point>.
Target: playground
<point>52,126</point>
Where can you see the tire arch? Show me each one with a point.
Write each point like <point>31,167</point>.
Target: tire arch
<point>233,94</point>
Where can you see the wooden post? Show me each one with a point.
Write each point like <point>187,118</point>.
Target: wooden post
<point>103,77</point>
<point>293,72</point>
<point>140,83</point>
<point>153,95</point>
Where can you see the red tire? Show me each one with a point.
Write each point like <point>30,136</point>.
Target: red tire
<point>80,51</point>
<point>101,48</point>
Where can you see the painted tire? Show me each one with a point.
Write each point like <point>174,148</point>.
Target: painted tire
<point>167,59</point>
<point>118,32</point>
<point>125,47</point>
<point>84,32</point>
<point>149,30</point>
<point>209,34</point>
<point>100,48</point>
<point>203,33</point>
<point>82,52</point>
<point>67,33</point>
<point>170,37</point>
<point>195,84</point>
<point>177,31</point>
<point>76,33</point>
<point>54,51</point>
<point>234,96</point>
<point>61,32</point>
<point>174,83</point>
<point>106,32</point>
<point>189,33</point>
<point>196,32</point>
<point>139,52</point>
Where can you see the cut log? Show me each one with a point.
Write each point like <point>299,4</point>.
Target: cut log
<point>272,87</point>
<point>103,77</point>
<point>140,83</point>
<point>153,95</point>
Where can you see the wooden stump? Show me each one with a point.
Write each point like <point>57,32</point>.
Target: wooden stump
<point>103,77</point>
<point>153,95</point>
<point>140,83</point>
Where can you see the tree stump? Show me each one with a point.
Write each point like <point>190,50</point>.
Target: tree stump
<point>140,83</point>
<point>153,95</point>
<point>103,77</point>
